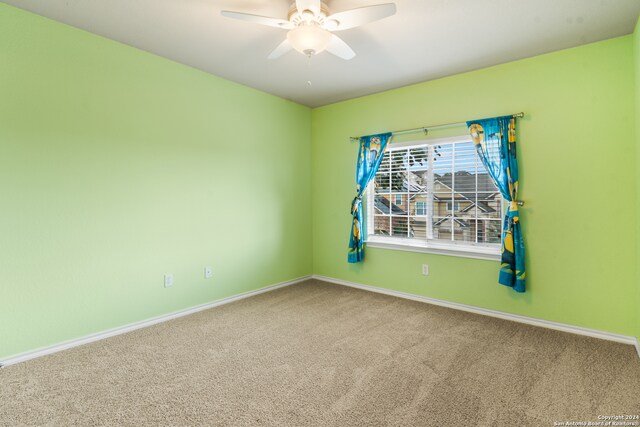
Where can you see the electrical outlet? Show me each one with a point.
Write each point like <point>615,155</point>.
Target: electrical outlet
<point>425,269</point>
<point>208,272</point>
<point>168,280</point>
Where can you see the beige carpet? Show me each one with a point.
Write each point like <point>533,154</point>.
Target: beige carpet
<point>325,355</point>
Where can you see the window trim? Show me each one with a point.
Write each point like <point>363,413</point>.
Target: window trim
<point>491,252</point>
<point>409,245</point>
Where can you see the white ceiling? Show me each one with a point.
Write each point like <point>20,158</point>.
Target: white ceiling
<point>425,40</point>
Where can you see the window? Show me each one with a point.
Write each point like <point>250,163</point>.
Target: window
<point>435,196</point>
<point>453,206</point>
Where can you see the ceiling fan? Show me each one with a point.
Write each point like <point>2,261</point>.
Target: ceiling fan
<point>310,26</point>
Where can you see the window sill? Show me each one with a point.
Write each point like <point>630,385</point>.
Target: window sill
<point>449,250</point>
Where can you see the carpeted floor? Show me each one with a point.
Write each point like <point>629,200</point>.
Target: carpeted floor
<point>326,355</point>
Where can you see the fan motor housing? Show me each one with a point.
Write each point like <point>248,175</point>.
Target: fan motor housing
<point>296,17</point>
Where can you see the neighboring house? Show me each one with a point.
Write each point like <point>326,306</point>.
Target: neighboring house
<point>403,212</point>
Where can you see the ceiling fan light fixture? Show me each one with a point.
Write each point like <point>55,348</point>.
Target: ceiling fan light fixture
<point>311,25</point>
<point>309,39</point>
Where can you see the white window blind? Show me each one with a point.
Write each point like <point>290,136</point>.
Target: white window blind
<point>435,194</point>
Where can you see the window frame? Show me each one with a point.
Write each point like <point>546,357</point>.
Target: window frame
<point>485,251</point>
<point>456,206</point>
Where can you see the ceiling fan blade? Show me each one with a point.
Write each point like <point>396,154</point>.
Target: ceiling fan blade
<point>339,48</point>
<point>257,19</point>
<point>360,16</point>
<point>312,5</point>
<point>282,48</point>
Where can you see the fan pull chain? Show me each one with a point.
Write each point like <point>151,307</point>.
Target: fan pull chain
<point>309,70</point>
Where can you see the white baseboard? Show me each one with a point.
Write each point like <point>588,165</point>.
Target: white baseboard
<point>22,357</point>
<point>609,336</point>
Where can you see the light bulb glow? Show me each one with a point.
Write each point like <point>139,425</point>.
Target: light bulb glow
<point>309,39</point>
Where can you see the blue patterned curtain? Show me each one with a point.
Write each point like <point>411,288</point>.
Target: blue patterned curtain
<point>369,158</point>
<point>495,141</point>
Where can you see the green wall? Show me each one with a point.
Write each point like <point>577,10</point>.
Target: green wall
<point>117,166</point>
<point>636,56</point>
<point>577,179</point>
